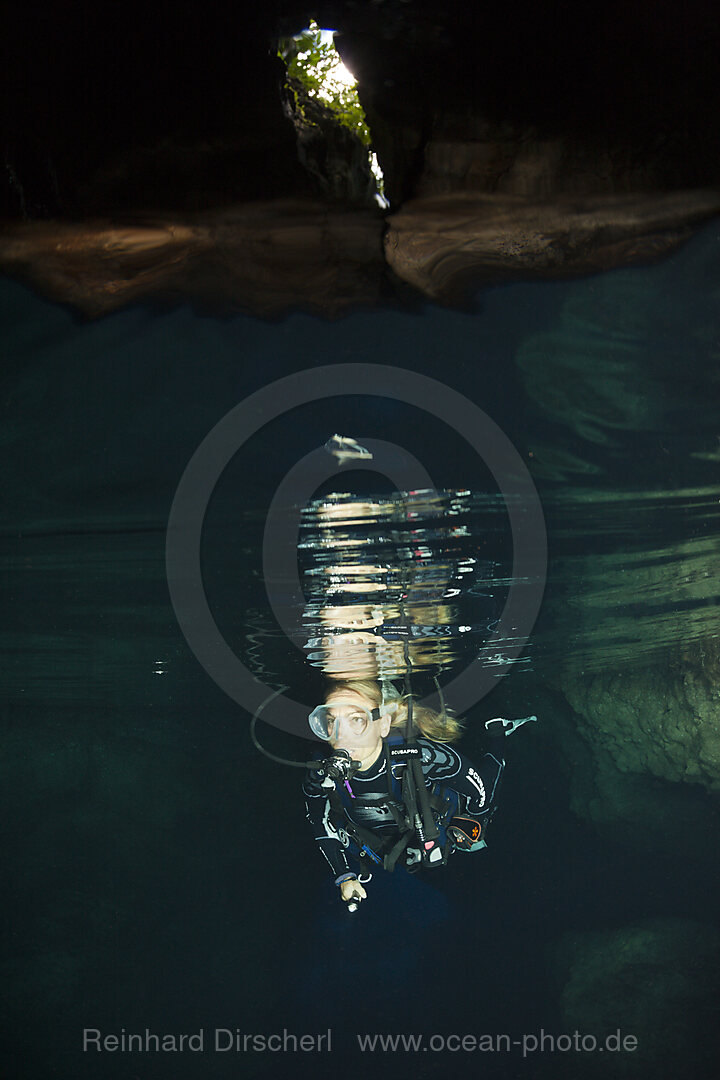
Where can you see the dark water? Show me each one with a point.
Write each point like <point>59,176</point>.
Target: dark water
<point>158,871</point>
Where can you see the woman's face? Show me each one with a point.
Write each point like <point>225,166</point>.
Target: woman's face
<point>355,731</point>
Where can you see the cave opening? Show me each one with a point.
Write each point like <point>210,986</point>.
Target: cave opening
<point>320,96</point>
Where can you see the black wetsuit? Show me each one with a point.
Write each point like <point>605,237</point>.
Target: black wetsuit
<point>477,790</point>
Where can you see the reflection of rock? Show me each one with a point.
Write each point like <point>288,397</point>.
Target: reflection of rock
<point>445,246</point>
<point>272,257</point>
<point>266,258</point>
<point>617,366</point>
<point>657,981</point>
<point>598,384</point>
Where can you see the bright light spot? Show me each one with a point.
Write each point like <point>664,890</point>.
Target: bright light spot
<point>342,76</point>
<point>379,179</point>
<point>336,78</point>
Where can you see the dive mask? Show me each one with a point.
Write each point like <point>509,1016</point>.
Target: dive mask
<point>325,720</point>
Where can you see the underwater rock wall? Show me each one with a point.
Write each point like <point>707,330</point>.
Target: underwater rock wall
<point>641,748</point>
<point>658,716</point>
<point>658,981</point>
<point>652,720</point>
<point>636,809</point>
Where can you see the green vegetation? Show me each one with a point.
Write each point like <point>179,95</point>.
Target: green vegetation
<point>317,75</point>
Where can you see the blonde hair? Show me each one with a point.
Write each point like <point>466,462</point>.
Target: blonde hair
<point>438,726</point>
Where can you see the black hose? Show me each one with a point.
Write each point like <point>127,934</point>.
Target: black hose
<point>274,757</point>
<point>416,792</point>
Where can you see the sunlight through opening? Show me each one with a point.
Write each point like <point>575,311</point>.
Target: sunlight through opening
<point>315,69</point>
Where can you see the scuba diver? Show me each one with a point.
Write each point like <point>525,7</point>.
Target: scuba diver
<point>394,791</point>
